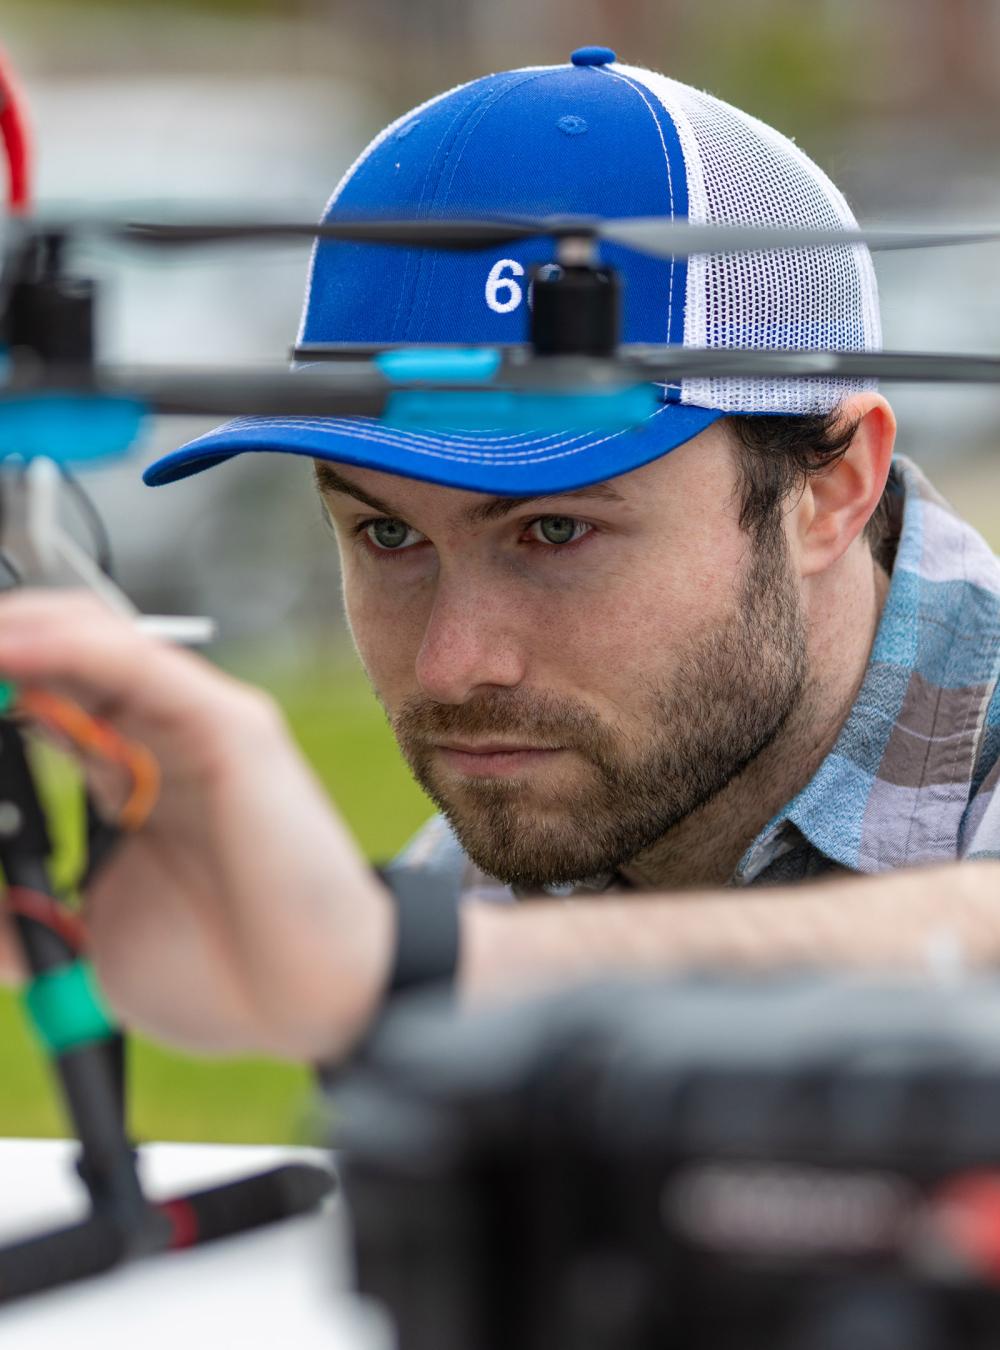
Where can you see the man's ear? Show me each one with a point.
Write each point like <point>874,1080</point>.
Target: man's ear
<point>837,502</point>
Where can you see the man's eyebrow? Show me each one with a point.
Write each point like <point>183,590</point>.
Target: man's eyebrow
<point>329,480</point>
<point>495,508</point>
<point>481,513</point>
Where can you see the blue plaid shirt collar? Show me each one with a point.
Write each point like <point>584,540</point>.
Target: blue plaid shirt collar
<point>895,788</point>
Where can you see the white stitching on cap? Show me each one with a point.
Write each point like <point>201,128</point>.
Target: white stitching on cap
<point>516,440</point>
<point>332,425</point>
<point>614,74</point>
<point>372,430</point>
<point>402,442</point>
<point>501,461</point>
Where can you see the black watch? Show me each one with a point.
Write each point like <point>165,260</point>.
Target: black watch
<point>427,904</point>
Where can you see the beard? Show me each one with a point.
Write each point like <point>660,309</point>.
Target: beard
<point>727,699</point>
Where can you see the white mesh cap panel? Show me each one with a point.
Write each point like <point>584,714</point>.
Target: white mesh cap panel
<point>742,172</point>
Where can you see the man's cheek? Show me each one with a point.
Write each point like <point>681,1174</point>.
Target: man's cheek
<point>387,645</point>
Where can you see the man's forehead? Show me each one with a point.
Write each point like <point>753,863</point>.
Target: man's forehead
<point>392,494</point>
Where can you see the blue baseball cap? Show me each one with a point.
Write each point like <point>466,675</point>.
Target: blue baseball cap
<point>592,137</point>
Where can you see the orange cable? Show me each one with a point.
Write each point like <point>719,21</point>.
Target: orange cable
<point>94,736</point>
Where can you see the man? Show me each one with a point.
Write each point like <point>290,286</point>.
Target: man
<point>730,648</point>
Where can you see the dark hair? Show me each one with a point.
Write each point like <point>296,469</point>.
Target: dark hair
<point>777,455</point>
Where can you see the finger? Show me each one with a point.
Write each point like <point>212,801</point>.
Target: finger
<point>192,718</point>
<point>71,636</point>
<point>101,659</point>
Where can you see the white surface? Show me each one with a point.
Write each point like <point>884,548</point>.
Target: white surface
<point>279,1286</point>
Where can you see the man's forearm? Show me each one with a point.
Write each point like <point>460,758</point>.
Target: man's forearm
<point>902,919</point>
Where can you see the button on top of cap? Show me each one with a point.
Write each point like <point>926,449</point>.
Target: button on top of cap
<point>593,56</point>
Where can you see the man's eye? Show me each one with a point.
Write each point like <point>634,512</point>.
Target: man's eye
<point>558,529</point>
<point>391,534</point>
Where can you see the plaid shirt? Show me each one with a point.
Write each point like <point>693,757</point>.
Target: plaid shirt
<point>912,777</point>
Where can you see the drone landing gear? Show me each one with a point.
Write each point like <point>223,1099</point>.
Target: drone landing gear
<point>86,1049</point>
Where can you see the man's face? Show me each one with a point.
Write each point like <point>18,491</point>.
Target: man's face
<point>571,676</point>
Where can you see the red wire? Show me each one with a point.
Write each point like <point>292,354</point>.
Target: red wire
<point>13,128</point>
<point>44,909</point>
<point>183,1222</point>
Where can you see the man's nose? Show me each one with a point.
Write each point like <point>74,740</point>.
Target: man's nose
<point>472,641</point>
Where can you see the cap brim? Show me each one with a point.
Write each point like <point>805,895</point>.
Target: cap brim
<point>522,464</point>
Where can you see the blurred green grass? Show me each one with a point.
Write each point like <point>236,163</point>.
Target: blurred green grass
<point>344,734</point>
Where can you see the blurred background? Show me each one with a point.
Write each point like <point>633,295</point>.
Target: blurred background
<point>202,103</point>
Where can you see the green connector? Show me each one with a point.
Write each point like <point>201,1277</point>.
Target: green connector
<point>8,696</point>
<point>66,1008</point>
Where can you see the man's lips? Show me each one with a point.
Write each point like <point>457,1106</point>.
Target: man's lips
<point>493,759</point>
<point>491,747</point>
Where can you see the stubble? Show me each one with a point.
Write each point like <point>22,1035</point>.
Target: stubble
<point>728,696</point>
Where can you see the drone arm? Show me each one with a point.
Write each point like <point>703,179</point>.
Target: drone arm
<point>59,997</point>
<point>58,557</point>
<point>42,551</point>
<point>44,554</point>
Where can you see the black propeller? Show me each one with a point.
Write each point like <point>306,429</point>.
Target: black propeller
<point>658,236</point>
<point>654,235</point>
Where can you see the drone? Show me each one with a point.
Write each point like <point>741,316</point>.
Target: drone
<point>61,407</point>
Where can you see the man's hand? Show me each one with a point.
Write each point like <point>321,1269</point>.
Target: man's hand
<point>241,917</point>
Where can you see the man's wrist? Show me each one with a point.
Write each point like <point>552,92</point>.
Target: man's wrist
<point>875,922</point>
